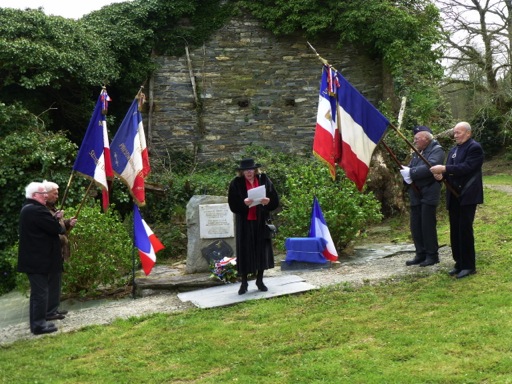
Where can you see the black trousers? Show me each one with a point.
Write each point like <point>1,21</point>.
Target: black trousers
<point>461,234</point>
<point>424,230</point>
<point>54,288</point>
<point>38,302</point>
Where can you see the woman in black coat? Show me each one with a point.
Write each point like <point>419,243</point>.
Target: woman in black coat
<point>253,240</point>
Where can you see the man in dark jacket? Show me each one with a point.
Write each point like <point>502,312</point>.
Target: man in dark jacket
<point>424,196</point>
<point>463,171</point>
<point>39,254</point>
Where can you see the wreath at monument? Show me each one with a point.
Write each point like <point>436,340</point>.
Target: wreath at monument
<point>224,270</point>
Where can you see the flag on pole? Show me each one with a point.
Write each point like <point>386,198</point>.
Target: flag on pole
<point>326,143</point>
<point>145,241</point>
<point>126,153</point>
<point>319,228</point>
<point>362,127</point>
<point>93,159</point>
<point>146,169</point>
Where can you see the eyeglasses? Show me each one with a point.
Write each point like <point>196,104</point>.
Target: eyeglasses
<point>41,193</point>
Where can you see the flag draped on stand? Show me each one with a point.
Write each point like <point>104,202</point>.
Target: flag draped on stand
<point>319,228</point>
<point>362,127</point>
<point>126,151</point>
<point>326,143</point>
<point>93,159</point>
<point>145,241</point>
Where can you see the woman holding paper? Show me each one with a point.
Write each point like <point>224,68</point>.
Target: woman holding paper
<point>252,210</point>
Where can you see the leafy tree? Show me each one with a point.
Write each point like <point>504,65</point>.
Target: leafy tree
<point>28,154</point>
<point>52,62</point>
<point>478,41</point>
<point>479,34</point>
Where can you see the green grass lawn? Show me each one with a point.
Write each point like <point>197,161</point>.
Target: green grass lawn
<point>433,329</point>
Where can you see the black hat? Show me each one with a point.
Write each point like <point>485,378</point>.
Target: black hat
<point>421,128</point>
<point>248,164</point>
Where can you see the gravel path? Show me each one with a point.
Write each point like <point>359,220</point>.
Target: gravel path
<point>354,273</point>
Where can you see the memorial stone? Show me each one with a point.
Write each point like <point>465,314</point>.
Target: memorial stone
<point>210,231</point>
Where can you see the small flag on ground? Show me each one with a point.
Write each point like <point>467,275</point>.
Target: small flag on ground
<point>319,228</point>
<point>145,241</point>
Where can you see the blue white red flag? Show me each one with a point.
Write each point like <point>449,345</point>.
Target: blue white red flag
<point>93,159</point>
<point>326,143</point>
<point>146,169</point>
<point>362,127</point>
<point>126,153</point>
<point>145,241</point>
<point>319,228</point>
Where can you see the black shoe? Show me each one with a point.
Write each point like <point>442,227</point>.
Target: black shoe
<point>454,272</point>
<point>417,260</point>
<point>262,287</point>
<point>428,262</point>
<point>62,312</point>
<point>55,316</point>
<point>243,288</point>
<point>49,328</point>
<point>465,273</point>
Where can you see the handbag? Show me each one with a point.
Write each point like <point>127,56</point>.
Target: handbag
<point>270,229</point>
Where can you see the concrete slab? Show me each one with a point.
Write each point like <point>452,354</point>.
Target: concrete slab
<point>228,294</point>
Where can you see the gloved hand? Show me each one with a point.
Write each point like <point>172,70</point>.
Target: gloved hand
<point>406,174</point>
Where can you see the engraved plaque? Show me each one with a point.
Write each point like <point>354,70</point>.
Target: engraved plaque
<point>215,221</point>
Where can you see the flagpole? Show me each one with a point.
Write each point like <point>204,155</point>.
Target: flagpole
<point>448,186</point>
<point>83,200</point>
<point>134,288</point>
<point>66,190</point>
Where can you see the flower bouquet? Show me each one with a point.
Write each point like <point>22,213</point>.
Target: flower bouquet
<point>224,269</point>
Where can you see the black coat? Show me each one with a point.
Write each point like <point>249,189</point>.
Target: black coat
<point>426,189</point>
<point>39,247</point>
<point>464,173</point>
<point>254,247</point>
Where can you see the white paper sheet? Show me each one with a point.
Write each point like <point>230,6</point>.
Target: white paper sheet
<point>256,194</point>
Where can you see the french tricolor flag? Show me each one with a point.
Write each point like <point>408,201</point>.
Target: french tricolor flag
<point>93,159</point>
<point>362,127</point>
<point>326,143</point>
<point>319,228</point>
<point>126,153</point>
<point>145,241</point>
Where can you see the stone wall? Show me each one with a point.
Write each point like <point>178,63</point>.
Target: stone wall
<point>252,87</point>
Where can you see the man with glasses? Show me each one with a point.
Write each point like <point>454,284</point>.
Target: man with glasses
<point>39,254</point>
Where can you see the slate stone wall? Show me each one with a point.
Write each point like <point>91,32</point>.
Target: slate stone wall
<point>252,88</point>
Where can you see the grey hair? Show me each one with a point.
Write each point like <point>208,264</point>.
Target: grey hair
<point>33,188</point>
<point>50,185</point>
<point>465,125</point>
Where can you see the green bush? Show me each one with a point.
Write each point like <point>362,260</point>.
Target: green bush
<point>7,270</point>
<point>346,210</point>
<point>101,253</point>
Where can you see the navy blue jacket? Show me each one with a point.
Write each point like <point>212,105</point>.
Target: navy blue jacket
<point>426,189</point>
<point>464,173</point>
